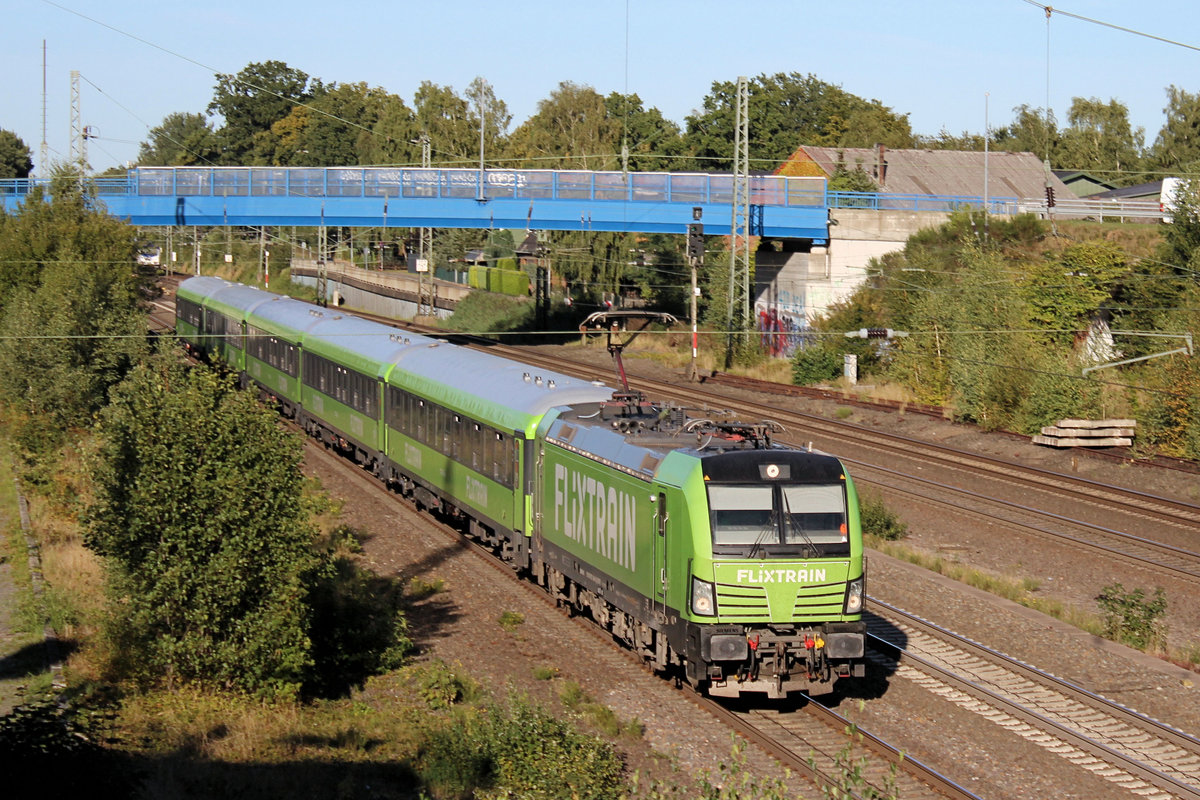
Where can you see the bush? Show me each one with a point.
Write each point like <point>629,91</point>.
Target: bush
<point>1132,619</point>
<point>880,521</point>
<point>815,364</point>
<point>442,686</point>
<point>517,750</point>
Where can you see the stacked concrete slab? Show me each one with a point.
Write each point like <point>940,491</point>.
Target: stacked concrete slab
<point>1088,433</point>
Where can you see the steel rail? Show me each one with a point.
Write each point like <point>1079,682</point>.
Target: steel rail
<point>1184,787</point>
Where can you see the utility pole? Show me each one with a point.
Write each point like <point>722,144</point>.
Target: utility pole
<point>44,153</point>
<point>739,233</point>
<point>425,235</point>
<point>480,196</point>
<point>695,256</point>
<point>262,249</point>
<point>322,274</point>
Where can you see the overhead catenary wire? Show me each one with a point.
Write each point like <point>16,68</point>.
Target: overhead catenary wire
<point>1055,10</point>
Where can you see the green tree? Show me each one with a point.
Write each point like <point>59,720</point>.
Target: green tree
<point>444,116</point>
<point>16,159</point>
<point>851,180</point>
<point>945,140</point>
<point>392,136</point>
<point>331,129</point>
<point>1178,142</point>
<point>70,319</point>
<point>198,515</point>
<point>1181,239</point>
<point>1033,130</point>
<point>1066,292</point>
<point>250,103</point>
<point>653,142</point>
<point>452,121</point>
<point>180,140</point>
<point>488,112</point>
<point>1099,138</point>
<point>571,130</point>
<point>787,110</point>
<point>68,228</point>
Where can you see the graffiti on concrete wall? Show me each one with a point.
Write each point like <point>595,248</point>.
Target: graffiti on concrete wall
<point>782,322</point>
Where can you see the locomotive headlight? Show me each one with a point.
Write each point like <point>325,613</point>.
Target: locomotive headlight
<point>704,601</point>
<point>854,596</point>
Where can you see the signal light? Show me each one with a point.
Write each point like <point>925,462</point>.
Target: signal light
<point>695,240</point>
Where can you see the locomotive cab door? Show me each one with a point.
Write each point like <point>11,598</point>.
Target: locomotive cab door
<point>661,522</point>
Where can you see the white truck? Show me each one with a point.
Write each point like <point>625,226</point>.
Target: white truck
<point>1167,198</point>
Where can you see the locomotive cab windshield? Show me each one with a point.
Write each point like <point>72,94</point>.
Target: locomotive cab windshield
<point>783,520</point>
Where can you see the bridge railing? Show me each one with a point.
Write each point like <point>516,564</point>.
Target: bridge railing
<point>408,182</point>
<point>880,201</point>
<point>649,187</point>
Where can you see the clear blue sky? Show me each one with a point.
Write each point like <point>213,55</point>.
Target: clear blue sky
<point>931,59</point>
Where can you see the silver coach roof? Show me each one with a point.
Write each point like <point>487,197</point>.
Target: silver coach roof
<point>494,379</point>
<point>360,337</point>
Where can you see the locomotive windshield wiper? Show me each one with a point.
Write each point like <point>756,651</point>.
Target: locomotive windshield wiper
<point>789,523</point>
<point>768,527</point>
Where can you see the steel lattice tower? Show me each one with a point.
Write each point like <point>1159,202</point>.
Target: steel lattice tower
<point>739,229</point>
<point>78,134</point>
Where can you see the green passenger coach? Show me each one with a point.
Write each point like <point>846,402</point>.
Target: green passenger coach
<point>713,553</point>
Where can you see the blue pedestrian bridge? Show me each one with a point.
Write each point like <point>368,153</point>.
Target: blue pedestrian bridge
<point>405,197</point>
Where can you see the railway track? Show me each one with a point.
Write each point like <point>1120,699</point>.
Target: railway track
<point>1117,455</point>
<point>1051,489</point>
<point>818,742</point>
<point>1118,506</point>
<point>809,740</point>
<point>1140,754</point>
<point>1168,560</point>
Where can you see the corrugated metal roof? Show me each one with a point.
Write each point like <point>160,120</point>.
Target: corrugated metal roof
<point>955,173</point>
<point>1148,191</point>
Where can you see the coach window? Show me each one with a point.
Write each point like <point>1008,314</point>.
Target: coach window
<point>477,439</point>
<point>496,448</point>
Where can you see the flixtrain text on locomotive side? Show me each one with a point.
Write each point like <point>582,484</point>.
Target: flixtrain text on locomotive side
<point>694,541</point>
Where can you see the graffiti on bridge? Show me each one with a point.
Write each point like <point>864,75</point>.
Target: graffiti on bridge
<point>781,331</point>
